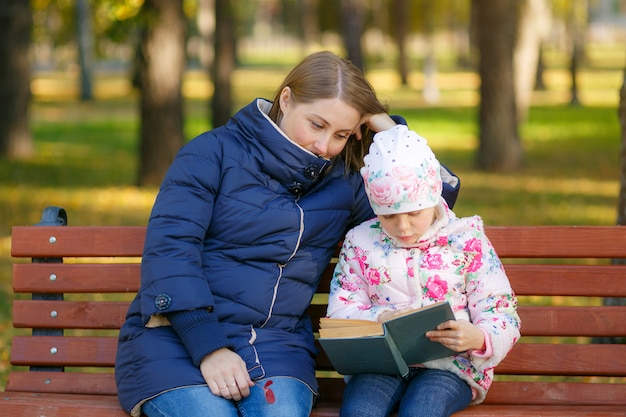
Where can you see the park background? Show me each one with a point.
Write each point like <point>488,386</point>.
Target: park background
<point>86,149</point>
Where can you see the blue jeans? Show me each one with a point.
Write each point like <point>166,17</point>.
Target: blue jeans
<point>424,392</point>
<point>286,397</point>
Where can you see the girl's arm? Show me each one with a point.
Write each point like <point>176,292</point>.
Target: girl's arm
<point>491,302</point>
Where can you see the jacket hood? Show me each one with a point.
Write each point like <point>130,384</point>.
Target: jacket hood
<point>445,225</point>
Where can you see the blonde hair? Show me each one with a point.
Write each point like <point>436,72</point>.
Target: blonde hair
<point>324,75</point>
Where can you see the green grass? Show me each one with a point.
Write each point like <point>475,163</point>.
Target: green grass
<point>86,153</point>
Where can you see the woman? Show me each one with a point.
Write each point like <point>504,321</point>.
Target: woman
<point>244,224</point>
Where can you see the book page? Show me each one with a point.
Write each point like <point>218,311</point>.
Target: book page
<point>350,331</point>
<point>328,322</point>
<point>407,312</point>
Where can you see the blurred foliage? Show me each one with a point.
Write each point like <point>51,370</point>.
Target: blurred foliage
<point>115,24</point>
<point>86,153</point>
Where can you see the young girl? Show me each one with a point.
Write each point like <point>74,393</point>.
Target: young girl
<point>416,252</point>
<point>246,220</point>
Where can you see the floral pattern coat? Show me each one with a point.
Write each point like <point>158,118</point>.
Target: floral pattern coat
<point>454,261</point>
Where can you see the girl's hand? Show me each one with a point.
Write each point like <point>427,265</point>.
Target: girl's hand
<point>458,335</point>
<point>226,374</point>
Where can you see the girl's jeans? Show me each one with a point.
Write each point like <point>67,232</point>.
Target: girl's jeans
<point>424,392</point>
<point>271,397</point>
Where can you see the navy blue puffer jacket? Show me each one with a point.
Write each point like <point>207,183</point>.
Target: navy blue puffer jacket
<point>243,226</point>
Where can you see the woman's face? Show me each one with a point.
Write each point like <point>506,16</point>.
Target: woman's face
<point>321,127</point>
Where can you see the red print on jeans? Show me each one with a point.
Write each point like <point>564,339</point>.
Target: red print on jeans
<point>269,394</point>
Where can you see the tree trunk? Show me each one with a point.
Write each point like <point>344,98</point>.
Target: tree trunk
<point>16,22</point>
<point>540,84</point>
<point>353,19</point>
<point>499,148</point>
<point>85,48</point>
<point>224,64</point>
<point>400,14</point>
<point>533,28</point>
<point>161,67</point>
<point>206,28</point>
<point>310,24</point>
<point>577,23</point>
<point>431,90</point>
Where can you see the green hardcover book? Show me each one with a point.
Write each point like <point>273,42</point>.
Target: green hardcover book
<point>361,346</point>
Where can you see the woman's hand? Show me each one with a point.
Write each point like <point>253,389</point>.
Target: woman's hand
<point>226,374</point>
<point>458,335</point>
<point>376,122</point>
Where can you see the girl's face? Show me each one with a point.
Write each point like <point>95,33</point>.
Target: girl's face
<point>407,227</point>
<point>321,127</point>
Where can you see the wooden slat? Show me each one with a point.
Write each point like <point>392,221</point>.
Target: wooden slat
<point>69,314</point>
<point>69,351</point>
<point>558,241</point>
<point>76,278</point>
<point>520,393</point>
<point>593,321</point>
<point>589,321</point>
<point>18,404</point>
<point>541,411</point>
<point>35,241</point>
<point>537,320</point>
<point>554,279</point>
<point>62,382</point>
<point>24,404</point>
<point>554,393</point>
<point>510,411</point>
<point>565,359</point>
<point>524,359</point>
<point>550,360</point>
<point>509,241</point>
<point>568,280</point>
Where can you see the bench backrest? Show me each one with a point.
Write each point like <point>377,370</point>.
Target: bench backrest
<point>82,278</point>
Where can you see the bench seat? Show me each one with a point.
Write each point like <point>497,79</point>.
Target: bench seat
<point>73,285</point>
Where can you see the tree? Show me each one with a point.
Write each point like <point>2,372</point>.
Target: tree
<point>353,17</point>
<point>85,48</point>
<point>400,16</point>
<point>310,24</point>
<point>534,26</point>
<point>431,91</point>
<point>15,30</point>
<point>161,66</point>
<point>205,20</point>
<point>499,143</point>
<point>577,21</point>
<point>224,63</point>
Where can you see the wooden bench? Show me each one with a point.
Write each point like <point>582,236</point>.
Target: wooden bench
<point>82,278</point>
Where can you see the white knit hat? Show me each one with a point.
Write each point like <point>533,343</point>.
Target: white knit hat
<point>401,172</point>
